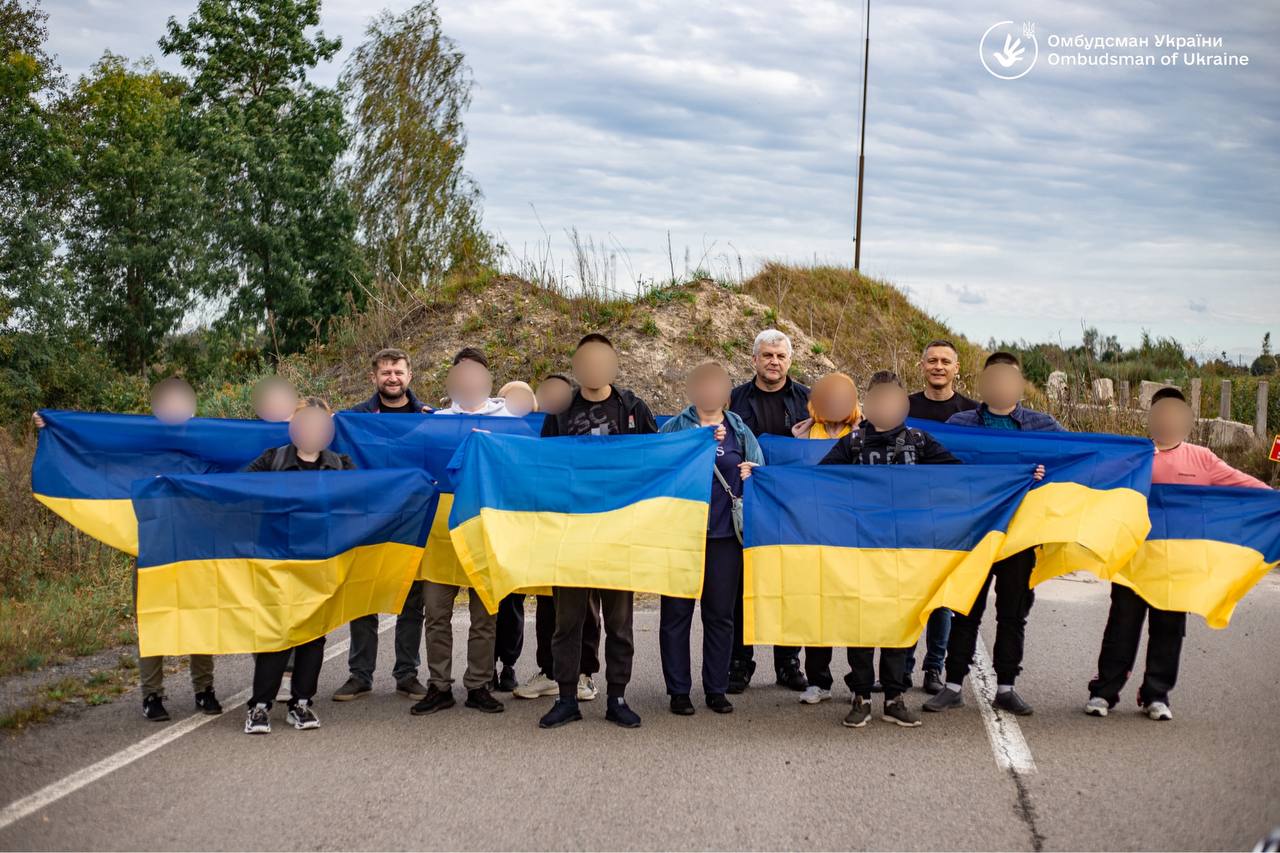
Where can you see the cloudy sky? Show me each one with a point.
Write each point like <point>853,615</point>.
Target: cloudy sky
<point>1127,198</point>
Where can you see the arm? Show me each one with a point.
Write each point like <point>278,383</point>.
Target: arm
<point>1222,474</point>
<point>646,423</point>
<point>936,454</point>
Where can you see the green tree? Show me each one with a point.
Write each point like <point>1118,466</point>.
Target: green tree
<point>409,88</point>
<point>1265,364</point>
<point>269,142</point>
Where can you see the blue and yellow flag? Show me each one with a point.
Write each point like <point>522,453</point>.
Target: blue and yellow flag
<point>1089,512</point>
<point>232,563</point>
<point>85,464</point>
<point>609,512</point>
<point>1208,546</point>
<point>860,555</point>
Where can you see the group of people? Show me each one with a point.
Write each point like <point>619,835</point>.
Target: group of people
<point>570,624</point>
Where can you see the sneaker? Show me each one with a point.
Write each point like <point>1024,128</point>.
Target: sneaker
<point>1097,706</point>
<point>740,672</point>
<point>896,711</point>
<point>790,677</point>
<point>1158,711</point>
<point>506,681</point>
<point>858,714</point>
<point>536,687</point>
<point>681,706</point>
<point>411,687</point>
<point>718,703</point>
<point>301,717</point>
<point>620,712</point>
<point>564,711</point>
<point>933,684</point>
<point>482,700</point>
<point>207,702</point>
<point>354,688</point>
<point>257,721</point>
<point>947,698</point>
<point>813,694</point>
<point>586,688</point>
<point>285,693</point>
<point>153,708</point>
<point>434,700</point>
<point>1010,701</point>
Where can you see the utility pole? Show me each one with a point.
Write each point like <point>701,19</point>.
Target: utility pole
<point>862,143</point>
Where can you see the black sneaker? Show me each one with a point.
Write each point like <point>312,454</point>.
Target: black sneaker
<point>435,700</point>
<point>858,714</point>
<point>896,711</point>
<point>620,712</point>
<point>740,675</point>
<point>411,687</point>
<point>302,717</point>
<point>482,700</point>
<point>257,721</point>
<point>1010,701</point>
<point>562,712</point>
<point>153,708</point>
<point>681,706</point>
<point>718,703</point>
<point>207,702</point>
<point>353,688</point>
<point>933,684</point>
<point>945,699</point>
<point>790,677</point>
<point>506,681</point>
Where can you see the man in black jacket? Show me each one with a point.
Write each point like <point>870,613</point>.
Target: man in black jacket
<point>771,402</point>
<point>598,407</point>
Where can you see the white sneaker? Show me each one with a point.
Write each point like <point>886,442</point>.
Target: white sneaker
<point>257,721</point>
<point>302,717</point>
<point>537,687</point>
<point>586,688</point>
<point>1096,707</point>
<point>1158,711</point>
<point>285,693</point>
<point>814,694</point>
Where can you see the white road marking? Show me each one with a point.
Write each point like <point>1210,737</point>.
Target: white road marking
<point>55,791</point>
<point>1007,742</point>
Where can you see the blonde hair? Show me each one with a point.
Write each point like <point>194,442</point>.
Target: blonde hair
<point>826,385</point>
<point>517,384</point>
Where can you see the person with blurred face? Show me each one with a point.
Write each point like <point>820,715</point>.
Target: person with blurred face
<point>518,398</point>
<point>391,376</point>
<point>274,399</point>
<point>1170,423</point>
<point>173,401</point>
<point>554,394</point>
<point>738,452</point>
<point>468,385</point>
<point>771,403</point>
<point>939,366</point>
<point>834,410</point>
<point>598,407</point>
<point>1001,385</point>
<point>310,433</point>
<point>882,439</point>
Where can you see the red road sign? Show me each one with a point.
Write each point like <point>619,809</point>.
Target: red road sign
<point>1274,455</point>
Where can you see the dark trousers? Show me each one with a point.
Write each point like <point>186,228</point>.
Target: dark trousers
<point>1165,630</point>
<point>574,608</point>
<point>722,573</point>
<point>817,665</point>
<point>363,656</point>
<point>268,672</point>
<point>545,629</point>
<point>862,671</point>
<point>745,656</point>
<point>510,638</point>
<point>937,633</point>
<point>1014,598</point>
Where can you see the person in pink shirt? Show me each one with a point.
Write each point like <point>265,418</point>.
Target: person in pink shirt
<point>1176,462</point>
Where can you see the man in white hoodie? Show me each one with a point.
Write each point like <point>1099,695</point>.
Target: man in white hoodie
<point>469,385</point>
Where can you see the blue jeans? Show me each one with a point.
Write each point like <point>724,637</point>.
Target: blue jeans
<point>363,656</point>
<point>936,635</point>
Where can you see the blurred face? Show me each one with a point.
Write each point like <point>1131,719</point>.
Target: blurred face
<point>941,366</point>
<point>708,388</point>
<point>1001,386</point>
<point>833,399</point>
<point>595,365</point>
<point>1169,422</point>
<point>554,396</point>
<point>311,429</point>
<point>174,404</point>
<point>520,401</point>
<point>468,384</point>
<point>392,379</point>
<point>274,399</point>
<point>772,362</point>
<point>886,406</point>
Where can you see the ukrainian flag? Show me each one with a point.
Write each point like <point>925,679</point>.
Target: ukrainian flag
<point>860,555</point>
<point>1089,512</point>
<point>609,512</point>
<point>85,464</point>
<point>231,563</point>
<point>1208,547</point>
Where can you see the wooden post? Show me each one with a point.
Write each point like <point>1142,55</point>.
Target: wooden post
<point>1224,401</point>
<point>1260,419</point>
<point>1124,393</point>
<point>1195,397</point>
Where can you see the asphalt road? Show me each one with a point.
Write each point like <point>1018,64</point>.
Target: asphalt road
<point>773,775</point>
